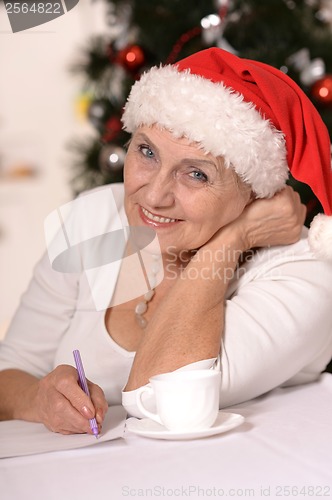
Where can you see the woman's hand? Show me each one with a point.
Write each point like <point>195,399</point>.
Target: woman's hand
<point>63,407</point>
<point>274,221</point>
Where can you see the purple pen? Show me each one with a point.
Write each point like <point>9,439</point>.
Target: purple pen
<point>84,386</point>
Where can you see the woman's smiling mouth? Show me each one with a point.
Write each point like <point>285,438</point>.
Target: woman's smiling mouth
<point>156,218</point>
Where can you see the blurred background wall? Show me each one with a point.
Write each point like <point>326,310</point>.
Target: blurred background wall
<point>38,118</point>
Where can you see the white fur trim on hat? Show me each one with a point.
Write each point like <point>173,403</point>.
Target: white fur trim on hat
<point>320,237</point>
<point>214,116</point>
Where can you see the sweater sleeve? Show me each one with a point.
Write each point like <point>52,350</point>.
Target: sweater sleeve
<point>278,327</point>
<point>42,318</point>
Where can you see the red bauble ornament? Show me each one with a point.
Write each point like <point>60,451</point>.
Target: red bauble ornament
<point>322,90</point>
<point>132,57</point>
<point>113,127</point>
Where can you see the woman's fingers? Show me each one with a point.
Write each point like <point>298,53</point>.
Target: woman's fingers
<point>99,401</point>
<point>58,414</point>
<point>63,405</point>
<point>275,221</point>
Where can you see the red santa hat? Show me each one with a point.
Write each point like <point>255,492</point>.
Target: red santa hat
<point>252,115</point>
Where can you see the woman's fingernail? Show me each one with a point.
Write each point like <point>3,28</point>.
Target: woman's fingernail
<point>87,412</point>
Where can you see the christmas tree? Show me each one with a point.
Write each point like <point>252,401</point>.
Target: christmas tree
<point>292,35</point>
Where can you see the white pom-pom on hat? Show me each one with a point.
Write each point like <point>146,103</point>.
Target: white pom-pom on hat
<point>320,237</point>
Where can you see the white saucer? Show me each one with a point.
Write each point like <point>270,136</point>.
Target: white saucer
<point>151,429</point>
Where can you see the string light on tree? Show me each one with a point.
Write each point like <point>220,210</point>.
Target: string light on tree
<point>212,29</point>
<point>111,158</point>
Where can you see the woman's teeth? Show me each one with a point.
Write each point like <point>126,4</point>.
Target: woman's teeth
<point>155,218</point>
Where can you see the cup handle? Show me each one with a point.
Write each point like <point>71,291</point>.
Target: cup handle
<point>141,407</point>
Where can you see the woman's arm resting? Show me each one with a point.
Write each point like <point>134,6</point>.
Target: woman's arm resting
<point>188,324</point>
<point>56,400</point>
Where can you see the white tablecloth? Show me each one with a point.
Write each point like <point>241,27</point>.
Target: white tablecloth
<point>284,449</point>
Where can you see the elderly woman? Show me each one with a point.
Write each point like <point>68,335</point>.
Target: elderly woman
<point>213,140</point>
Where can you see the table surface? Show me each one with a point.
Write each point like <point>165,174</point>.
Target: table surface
<point>283,449</point>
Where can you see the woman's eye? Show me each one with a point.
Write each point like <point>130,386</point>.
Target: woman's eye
<point>198,175</point>
<point>146,151</point>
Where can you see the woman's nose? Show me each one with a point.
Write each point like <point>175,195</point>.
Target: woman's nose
<point>160,190</point>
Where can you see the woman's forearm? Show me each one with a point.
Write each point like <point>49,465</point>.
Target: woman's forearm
<point>188,324</point>
<point>17,392</point>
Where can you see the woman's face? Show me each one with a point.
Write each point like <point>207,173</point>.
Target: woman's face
<point>184,194</point>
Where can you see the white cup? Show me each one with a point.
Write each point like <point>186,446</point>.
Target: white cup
<point>185,400</point>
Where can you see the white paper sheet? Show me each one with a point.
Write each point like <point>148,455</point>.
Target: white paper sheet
<point>18,438</point>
